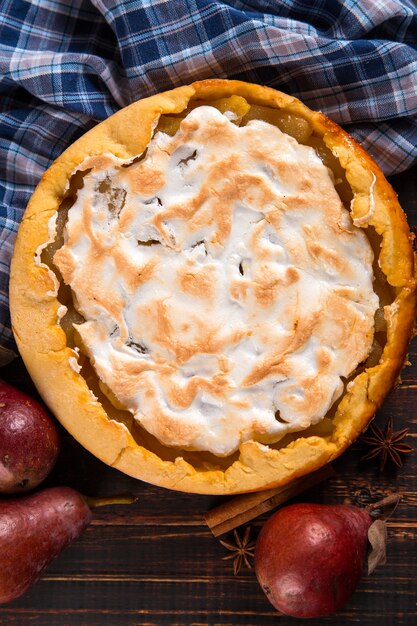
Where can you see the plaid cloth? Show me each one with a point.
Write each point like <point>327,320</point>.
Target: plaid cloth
<point>67,64</point>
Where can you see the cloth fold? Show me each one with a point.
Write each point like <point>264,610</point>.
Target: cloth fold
<point>67,64</point>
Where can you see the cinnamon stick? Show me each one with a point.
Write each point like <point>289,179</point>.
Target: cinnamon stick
<point>245,507</point>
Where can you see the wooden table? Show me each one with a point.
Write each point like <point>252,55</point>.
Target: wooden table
<point>157,563</point>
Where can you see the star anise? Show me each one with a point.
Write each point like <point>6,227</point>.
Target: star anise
<point>386,444</point>
<point>242,550</point>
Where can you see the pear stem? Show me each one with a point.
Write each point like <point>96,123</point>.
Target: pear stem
<point>383,509</point>
<point>95,502</point>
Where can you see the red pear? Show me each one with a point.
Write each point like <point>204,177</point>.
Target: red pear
<point>29,441</point>
<point>309,557</point>
<point>35,528</point>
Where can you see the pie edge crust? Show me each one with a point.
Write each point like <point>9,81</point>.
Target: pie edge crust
<point>42,342</point>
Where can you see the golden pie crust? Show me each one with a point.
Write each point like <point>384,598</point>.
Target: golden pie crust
<point>49,358</point>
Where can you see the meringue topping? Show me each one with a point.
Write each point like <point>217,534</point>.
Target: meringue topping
<point>225,290</point>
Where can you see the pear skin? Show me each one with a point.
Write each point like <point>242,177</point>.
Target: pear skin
<point>309,557</point>
<point>29,441</point>
<point>34,529</point>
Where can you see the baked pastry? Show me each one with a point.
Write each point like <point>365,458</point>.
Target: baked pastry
<point>214,289</point>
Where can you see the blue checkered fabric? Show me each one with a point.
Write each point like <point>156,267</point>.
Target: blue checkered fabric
<point>67,64</point>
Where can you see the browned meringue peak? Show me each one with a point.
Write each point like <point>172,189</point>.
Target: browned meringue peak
<point>224,288</point>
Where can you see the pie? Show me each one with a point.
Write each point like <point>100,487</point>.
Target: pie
<point>214,289</point>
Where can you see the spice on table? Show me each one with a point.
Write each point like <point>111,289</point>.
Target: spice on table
<point>245,507</point>
<point>386,444</point>
<point>242,550</point>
